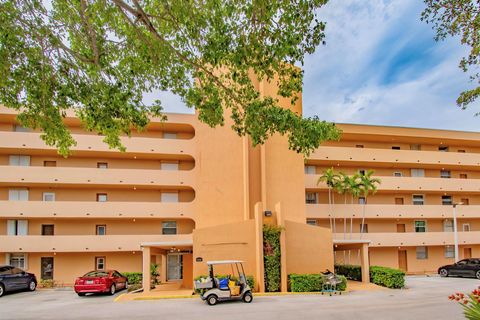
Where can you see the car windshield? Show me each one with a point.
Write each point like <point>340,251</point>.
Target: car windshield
<point>96,274</point>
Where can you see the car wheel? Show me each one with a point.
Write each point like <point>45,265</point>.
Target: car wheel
<point>2,290</point>
<point>32,286</point>
<point>112,289</point>
<point>212,300</point>
<point>477,274</point>
<point>81,294</point>
<point>247,297</point>
<point>443,273</point>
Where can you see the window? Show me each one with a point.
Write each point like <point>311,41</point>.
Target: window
<point>171,166</point>
<point>312,222</point>
<point>461,151</point>
<point>415,147</point>
<point>101,197</point>
<point>420,226</point>
<point>447,200</point>
<point>169,227</point>
<point>397,174</point>
<point>6,270</point>
<point>399,201</point>
<point>364,228</point>
<point>100,229</point>
<point>17,260</point>
<point>99,263</point>
<point>465,201</point>
<point>449,252</point>
<point>395,148</point>
<point>443,148</point>
<point>18,194</point>
<point>47,230</point>
<point>362,200</point>
<point>445,174</point>
<point>422,253</point>
<point>311,197</point>
<point>17,227</point>
<point>417,199</point>
<point>463,176</point>
<point>169,197</point>
<point>19,128</point>
<point>49,163</point>
<point>448,225</point>
<point>169,135</point>
<point>15,160</point>
<point>310,169</point>
<point>466,227</point>
<point>359,146</point>
<point>46,268</point>
<point>417,172</point>
<point>102,165</point>
<point>48,196</point>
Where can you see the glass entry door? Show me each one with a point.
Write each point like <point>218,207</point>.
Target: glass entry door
<point>46,271</point>
<point>174,267</point>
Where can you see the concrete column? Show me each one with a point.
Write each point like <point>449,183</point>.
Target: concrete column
<point>283,249</point>
<point>259,269</point>
<point>163,268</point>
<point>146,269</point>
<point>365,264</point>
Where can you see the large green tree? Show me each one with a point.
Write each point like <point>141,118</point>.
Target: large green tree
<point>99,58</point>
<point>459,18</point>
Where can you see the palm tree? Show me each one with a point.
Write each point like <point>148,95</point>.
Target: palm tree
<point>343,187</point>
<point>368,185</point>
<point>331,179</point>
<point>355,189</point>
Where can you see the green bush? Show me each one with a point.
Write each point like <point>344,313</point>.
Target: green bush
<point>351,272</point>
<point>387,277</point>
<point>133,277</point>
<point>47,283</point>
<point>312,282</point>
<point>134,287</point>
<point>272,254</point>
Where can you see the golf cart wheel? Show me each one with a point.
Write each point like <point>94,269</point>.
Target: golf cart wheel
<point>443,273</point>
<point>477,274</point>
<point>212,300</point>
<point>247,297</point>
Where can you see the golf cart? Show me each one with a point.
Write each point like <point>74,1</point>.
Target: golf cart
<point>216,288</point>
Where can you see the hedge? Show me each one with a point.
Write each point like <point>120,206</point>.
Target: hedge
<point>272,254</point>
<point>133,277</point>
<point>311,282</point>
<point>250,281</point>
<point>382,276</point>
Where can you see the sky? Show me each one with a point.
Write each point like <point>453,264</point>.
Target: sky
<point>380,65</point>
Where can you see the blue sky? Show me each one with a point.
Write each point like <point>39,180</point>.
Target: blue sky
<point>380,65</point>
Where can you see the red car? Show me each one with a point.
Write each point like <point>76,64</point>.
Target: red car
<point>100,282</point>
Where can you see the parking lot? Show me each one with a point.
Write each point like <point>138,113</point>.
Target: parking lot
<point>425,298</point>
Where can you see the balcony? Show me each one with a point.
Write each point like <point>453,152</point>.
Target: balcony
<point>31,142</point>
<point>346,155</point>
<point>381,211</point>
<point>87,243</point>
<point>413,184</point>
<point>414,239</point>
<point>64,176</point>
<point>88,209</point>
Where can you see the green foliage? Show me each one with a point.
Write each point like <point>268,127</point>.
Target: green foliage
<point>154,273</point>
<point>100,57</point>
<point>47,283</point>
<point>311,283</point>
<point>387,277</point>
<point>458,18</point>
<point>133,277</point>
<point>134,287</point>
<point>272,255</point>
<point>470,303</point>
<point>351,272</point>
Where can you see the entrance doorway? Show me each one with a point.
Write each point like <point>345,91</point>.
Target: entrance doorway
<point>467,253</point>
<point>46,271</point>
<point>174,267</point>
<point>402,260</point>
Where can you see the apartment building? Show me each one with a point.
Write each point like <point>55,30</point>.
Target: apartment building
<point>409,221</point>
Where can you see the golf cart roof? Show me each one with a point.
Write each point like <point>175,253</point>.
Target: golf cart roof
<point>223,262</point>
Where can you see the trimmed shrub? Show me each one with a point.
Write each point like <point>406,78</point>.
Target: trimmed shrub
<point>312,282</point>
<point>387,277</point>
<point>133,277</point>
<point>47,283</point>
<point>272,253</point>
<point>351,272</point>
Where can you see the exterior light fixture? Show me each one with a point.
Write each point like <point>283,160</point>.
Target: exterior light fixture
<point>267,213</point>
